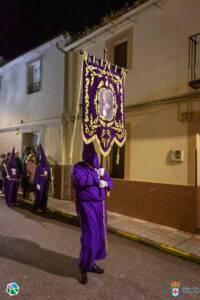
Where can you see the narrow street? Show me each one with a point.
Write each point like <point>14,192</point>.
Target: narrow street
<point>40,255</point>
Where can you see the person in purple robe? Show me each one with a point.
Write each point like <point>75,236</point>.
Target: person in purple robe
<point>91,184</point>
<point>11,177</point>
<point>41,182</point>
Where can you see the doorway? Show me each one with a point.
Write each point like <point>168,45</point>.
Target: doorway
<point>31,139</point>
<point>117,169</point>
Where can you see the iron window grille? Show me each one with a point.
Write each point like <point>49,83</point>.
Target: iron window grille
<point>194,61</point>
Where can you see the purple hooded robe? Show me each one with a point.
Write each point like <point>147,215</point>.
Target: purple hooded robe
<point>11,177</point>
<point>41,181</point>
<point>90,206</point>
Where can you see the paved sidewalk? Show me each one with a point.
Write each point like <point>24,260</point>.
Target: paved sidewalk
<point>167,239</point>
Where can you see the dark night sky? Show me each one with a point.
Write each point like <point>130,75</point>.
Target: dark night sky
<point>26,24</point>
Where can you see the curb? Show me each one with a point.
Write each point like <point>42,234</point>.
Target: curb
<point>130,236</point>
<point>162,247</point>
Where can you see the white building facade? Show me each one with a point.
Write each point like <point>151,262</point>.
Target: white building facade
<point>32,102</point>
<point>159,173</point>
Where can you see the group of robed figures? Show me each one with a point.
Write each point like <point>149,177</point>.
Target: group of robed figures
<point>91,183</point>
<point>12,174</point>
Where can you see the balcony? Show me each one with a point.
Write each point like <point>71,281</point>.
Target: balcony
<point>194,61</point>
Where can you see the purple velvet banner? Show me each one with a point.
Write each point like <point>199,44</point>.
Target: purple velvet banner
<point>103,104</point>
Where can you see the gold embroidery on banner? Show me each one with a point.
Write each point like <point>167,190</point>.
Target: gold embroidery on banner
<point>106,140</point>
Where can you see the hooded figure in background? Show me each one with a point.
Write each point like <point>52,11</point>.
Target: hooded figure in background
<point>11,177</point>
<point>91,183</point>
<point>24,179</point>
<point>41,181</point>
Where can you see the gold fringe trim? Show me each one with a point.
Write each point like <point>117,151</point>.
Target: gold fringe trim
<point>95,137</point>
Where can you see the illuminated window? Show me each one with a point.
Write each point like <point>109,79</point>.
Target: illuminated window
<point>34,77</point>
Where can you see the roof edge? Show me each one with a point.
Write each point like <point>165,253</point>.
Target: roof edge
<point>63,36</point>
<point>115,22</point>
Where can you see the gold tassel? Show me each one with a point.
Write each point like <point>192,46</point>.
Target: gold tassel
<point>118,156</point>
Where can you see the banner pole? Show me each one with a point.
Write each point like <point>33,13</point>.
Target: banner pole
<point>105,52</point>
<point>76,116</point>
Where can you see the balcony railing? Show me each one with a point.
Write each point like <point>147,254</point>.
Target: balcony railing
<point>34,87</point>
<point>194,61</point>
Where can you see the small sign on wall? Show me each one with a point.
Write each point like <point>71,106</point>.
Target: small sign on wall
<point>177,155</point>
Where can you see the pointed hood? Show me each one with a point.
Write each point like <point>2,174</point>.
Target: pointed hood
<point>12,157</point>
<point>89,155</point>
<point>12,160</point>
<point>42,156</point>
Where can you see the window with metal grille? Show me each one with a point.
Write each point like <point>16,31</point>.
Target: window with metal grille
<point>34,76</point>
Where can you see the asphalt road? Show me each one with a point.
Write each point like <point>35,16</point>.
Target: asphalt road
<point>40,254</point>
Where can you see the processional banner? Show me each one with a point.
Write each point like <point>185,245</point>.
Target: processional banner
<point>103,103</point>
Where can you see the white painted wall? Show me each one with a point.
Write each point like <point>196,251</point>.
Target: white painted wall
<point>16,105</point>
<point>52,144</point>
<point>46,104</point>
<point>8,140</point>
<point>152,139</point>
